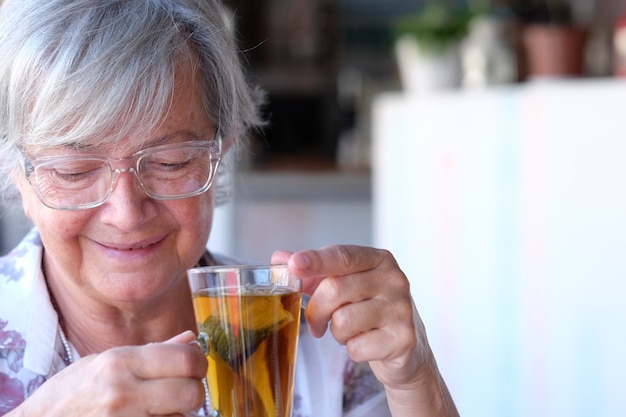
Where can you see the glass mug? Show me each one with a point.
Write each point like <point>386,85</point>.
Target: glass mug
<point>248,319</point>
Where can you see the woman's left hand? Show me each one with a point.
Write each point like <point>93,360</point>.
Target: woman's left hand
<point>364,297</point>
<point>361,294</point>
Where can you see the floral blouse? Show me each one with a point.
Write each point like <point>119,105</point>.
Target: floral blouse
<point>327,382</point>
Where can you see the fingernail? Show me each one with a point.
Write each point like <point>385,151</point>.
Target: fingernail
<point>302,261</point>
<point>195,343</point>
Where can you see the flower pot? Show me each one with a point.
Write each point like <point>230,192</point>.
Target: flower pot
<point>554,50</point>
<point>425,70</point>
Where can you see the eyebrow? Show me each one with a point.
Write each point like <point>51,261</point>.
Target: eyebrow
<point>185,135</point>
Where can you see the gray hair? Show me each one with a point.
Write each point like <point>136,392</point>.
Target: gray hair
<point>76,72</point>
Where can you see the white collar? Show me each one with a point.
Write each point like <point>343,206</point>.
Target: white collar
<point>26,306</point>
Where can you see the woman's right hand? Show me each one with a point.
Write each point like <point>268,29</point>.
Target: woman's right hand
<point>157,379</point>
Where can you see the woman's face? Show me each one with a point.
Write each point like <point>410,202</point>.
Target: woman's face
<point>132,248</point>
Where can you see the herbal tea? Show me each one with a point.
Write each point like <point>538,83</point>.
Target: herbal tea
<point>252,337</point>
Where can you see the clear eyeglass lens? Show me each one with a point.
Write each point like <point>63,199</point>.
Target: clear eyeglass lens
<point>176,172</point>
<point>73,182</point>
<point>168,173</point>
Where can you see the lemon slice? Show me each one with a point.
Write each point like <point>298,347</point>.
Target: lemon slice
<point>249,320</point>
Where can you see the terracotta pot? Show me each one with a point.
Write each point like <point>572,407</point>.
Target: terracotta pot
<point>554,50</point>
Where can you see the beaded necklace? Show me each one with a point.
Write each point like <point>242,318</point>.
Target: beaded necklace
<point>68,358</point>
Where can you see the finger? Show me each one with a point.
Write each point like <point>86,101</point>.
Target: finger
<point>382,345</point>
<point>334,293</point>
<point>159,360</point>
<point>337,260</point>
<point>376,329</point>
<point>172,395</point>
<point>354,319</point>
<point>386,295</point>
<point>184,337</point>
<point>280,257</point>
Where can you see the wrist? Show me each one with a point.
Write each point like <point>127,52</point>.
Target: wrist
<point>426,395</point>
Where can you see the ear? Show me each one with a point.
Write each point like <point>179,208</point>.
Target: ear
<point>17,178</point>
<point>227,144</point>
<point>24,188</point>
<point>229,141</point>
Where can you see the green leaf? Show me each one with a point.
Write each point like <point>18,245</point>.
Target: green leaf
<point>231,343</point>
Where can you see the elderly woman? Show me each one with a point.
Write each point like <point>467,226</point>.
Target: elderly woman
<point>114,117</point>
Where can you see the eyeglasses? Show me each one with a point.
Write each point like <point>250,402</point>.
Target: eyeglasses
<point>164,172</point>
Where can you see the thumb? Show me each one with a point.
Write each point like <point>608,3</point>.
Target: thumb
<point>185,337</point>
<point>280,257</point>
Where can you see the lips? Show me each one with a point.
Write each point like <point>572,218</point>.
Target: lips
<point>134,247</point>
<point>140,245</point>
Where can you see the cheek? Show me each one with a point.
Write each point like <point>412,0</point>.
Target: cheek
<point>61,233</point>
<point>195,219</point>
<point>198,211</point>
<point>60,225</point>
<point>53,224</point>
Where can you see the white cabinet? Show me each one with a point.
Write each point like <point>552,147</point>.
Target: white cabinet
<point>507,210</point>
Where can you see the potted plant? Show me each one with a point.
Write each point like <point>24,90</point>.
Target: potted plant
<point>427,45</point>
<point>553,44</point>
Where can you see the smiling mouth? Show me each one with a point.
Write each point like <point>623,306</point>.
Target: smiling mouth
<point>135,247</point>
<point>131,248</point>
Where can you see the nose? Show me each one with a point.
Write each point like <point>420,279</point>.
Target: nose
<point>117,174</point>
<point>128,206</point>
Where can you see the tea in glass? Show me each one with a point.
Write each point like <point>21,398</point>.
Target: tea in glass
<point>249,319</point>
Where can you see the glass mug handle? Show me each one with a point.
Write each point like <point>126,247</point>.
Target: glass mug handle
<point>202,341</point>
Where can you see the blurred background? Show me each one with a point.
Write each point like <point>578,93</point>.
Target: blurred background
<point>322,60</point>
<point>483,143</point>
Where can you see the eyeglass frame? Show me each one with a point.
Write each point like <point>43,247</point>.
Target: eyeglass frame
<point>214,145</point>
